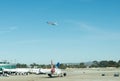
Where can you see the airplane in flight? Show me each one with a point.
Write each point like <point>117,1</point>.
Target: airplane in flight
<point>51,23</point>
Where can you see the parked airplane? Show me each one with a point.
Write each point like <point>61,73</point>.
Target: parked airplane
<point>16,71</point>
<point>55,71</point>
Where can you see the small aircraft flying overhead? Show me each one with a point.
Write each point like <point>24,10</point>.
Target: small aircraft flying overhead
<point>51,23</point>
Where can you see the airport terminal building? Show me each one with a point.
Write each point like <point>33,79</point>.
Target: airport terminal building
<point>7,65</point>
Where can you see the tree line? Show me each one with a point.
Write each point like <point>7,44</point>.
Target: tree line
<point>93,64</point>
<point>105,63</point>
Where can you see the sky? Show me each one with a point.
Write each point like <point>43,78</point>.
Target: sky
<point>86,30</point>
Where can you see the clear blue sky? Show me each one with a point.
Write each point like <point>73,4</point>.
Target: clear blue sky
<point>87,30</point>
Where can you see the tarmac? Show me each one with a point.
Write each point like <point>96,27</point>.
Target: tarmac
<point>86,74</point>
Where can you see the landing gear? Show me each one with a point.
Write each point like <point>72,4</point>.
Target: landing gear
<point>60,75</point>
<point>64,74</point>
<point>49,75</point>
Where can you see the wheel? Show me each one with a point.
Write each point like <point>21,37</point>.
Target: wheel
<point>64,74</point>
<point>49,75</point>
